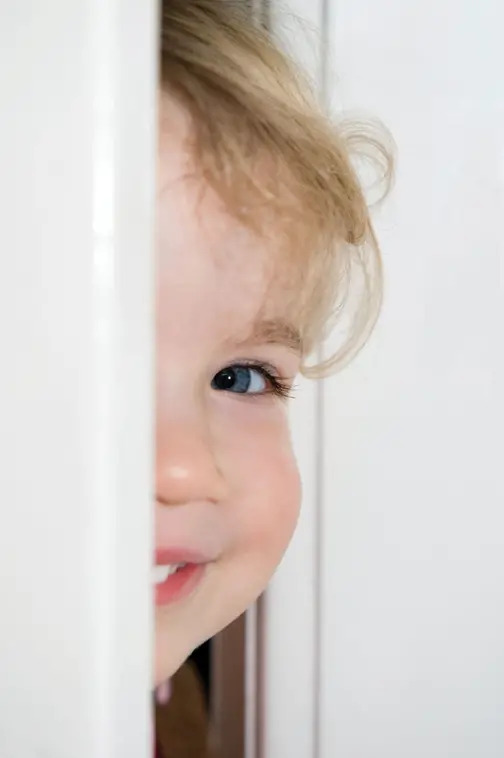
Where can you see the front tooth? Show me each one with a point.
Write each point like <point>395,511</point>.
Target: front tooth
<point>160,574</point>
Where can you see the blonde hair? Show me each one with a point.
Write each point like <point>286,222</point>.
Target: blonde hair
<point>264,144</point>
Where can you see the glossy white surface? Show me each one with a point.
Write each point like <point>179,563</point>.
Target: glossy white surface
<point>77,151</point>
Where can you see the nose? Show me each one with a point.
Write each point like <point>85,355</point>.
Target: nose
<point>187,469</point>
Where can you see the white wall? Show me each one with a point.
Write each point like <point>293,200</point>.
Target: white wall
<point>413,507</point>
<point>402,535</point>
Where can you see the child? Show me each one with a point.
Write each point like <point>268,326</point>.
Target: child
<point>262,225</point>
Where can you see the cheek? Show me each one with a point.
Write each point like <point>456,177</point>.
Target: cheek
<point>275,505</point>
<point>268,494</point>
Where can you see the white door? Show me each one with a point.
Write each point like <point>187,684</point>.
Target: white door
<point>77,157</point>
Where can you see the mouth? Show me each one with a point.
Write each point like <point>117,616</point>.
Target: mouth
<point>175,576</point>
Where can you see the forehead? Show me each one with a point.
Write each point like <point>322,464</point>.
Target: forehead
<point>205,249</point>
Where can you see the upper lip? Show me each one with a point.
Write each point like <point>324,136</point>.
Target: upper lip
<point>170,555</point>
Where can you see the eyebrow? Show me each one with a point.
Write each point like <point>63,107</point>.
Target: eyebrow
<point>276,332</point>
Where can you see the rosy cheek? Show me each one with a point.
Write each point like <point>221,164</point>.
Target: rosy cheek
<point>285,503</point>
<point>273,508</point>
<point>264,480</point>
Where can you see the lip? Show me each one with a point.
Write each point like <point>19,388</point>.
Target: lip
<point>164,556</point>
<point>184,581</point>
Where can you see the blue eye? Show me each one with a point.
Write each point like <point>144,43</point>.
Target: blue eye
<point>251,379</point>
<point>245,380</point>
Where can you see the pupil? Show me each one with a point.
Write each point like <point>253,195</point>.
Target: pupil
<point>225,379</point>
<point>232,380</point>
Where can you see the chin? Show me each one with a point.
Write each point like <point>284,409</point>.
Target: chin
<point>170,654</point>
<point>167,664</point>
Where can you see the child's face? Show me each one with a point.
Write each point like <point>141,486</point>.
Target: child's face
<point>227,487</point>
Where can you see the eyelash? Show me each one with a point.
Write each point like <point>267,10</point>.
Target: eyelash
<point>279,386</point>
